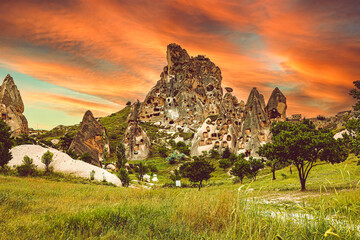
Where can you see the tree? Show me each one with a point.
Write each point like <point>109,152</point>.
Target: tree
<point>232,158</point>
<point>197,171</point>
<point>214,154</point>
<point>303,145</point>
<point>163,151</point>
<point>46,159</point>
<point>240,169</point>
<point>124,177</point>
<point>270,152</point>
<point>65,141</point>
<point>226,153</point>
<point>121,156</point>
<point>72,153</point>
<point>128,103</point>
<point>141,171</point>
<point>5,143</point>
<point>255,165</point>
<point>352,138</point>
<point>86,157</point>
<point>224,163</point>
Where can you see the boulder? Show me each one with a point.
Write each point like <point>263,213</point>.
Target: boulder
<point>276,107</point>
<point>91,138</point>
<point>12,107</point>
<point>61,163</point>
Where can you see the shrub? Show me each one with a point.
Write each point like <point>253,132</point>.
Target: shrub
<point>163,151</point>
<point>86,157</point>
<point>124,177</point>
<point>5,143</point>
<point>214,154</point>
<point>27,168</point>
<point>226,153</point>
<point>46,159</point>
<point>92,175</point>
<point>72,154</point>
<point>225,163</point>
<point>121,156</point>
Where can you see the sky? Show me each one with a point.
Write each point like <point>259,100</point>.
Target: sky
<point>73,55</point>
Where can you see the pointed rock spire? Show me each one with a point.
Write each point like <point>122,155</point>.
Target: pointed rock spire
<point>12,107</point>
<point>91,138</point>
<point>276,107</point>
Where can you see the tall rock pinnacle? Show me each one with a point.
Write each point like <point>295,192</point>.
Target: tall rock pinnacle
<point>188,91</point>
<point>276,107</point>
<point>91,138</point>
<point>12,107</point>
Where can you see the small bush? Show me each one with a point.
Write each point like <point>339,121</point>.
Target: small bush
<point>124,177</point>
<point>27,168</point>
<point>92,175</point>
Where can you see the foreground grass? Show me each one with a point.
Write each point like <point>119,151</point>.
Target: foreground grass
<point>42,209</point>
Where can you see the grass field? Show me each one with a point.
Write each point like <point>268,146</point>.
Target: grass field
<point>37,208</point>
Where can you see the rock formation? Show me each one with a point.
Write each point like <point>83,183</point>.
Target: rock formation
<point>136,142</point>
<point>61,163</point>
<point>91,138</point>
<point>189,96</point>
<point>255,128</point>
<point>189,90</point>
<point>218,134</point>
<point>276,107</point>
<point>12,107</point>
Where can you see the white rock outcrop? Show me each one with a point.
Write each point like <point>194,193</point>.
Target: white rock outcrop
<point>61,163</point>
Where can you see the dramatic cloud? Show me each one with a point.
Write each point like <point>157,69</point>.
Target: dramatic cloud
<point>115,49</point>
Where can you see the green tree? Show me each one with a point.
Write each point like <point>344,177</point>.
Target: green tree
<point>5,143</point>
<point>142,169</point>
<point>214,154</point>
<point>352,138</point>
<point>124,177</point>
<point>197,171</point>
<point>163,151</point>
<point>121,156</point>
<point>46,159</point>
<point>240,169</point>
<point>232,158</point>
<point>225,163</point>
<point>65,141</point>
<point>23,139</point>
<point>72,153</point>
<point>303,145</point>
<point>86,157</point>
<point>255,165</point>
<point>270,152</point>
<point>226,153</point>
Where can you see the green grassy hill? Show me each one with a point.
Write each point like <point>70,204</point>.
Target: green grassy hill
<point>42,209</point>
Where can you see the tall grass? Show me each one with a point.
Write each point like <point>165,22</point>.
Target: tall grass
<point>41,209</point>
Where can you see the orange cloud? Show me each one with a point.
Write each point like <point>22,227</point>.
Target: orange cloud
<point>116,49</point>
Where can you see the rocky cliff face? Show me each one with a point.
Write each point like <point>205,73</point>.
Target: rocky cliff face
<point>189,90</point>
<point>136,141</point>
<point>276,107</point>
<point>189,95</point>
<point>91,138</point>
<point>12,107</point>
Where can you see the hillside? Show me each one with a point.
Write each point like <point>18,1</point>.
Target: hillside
<point>41,209</point>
